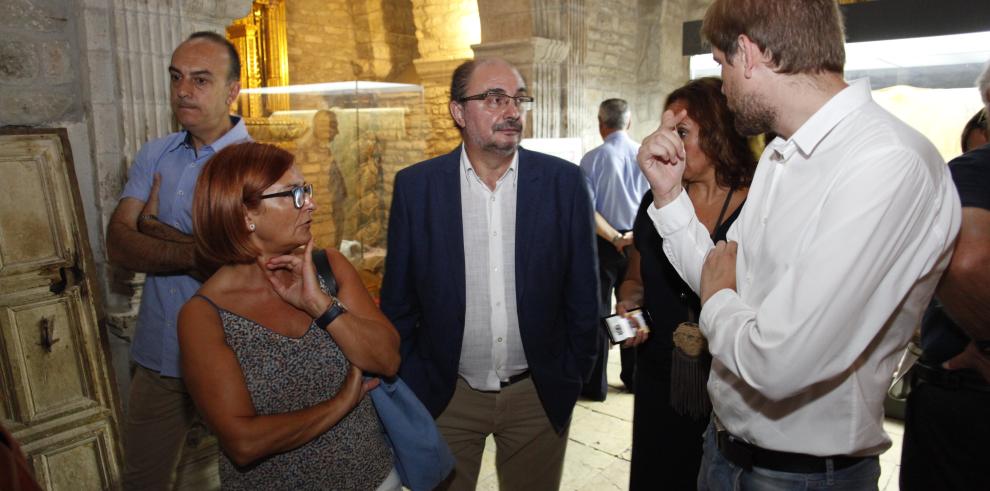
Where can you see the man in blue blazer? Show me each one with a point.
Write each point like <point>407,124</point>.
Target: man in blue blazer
<point>491,279</point>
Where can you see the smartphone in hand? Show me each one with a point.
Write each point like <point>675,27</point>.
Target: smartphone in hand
<point>621,327</point>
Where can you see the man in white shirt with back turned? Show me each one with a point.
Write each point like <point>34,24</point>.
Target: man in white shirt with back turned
<point>849,223</point>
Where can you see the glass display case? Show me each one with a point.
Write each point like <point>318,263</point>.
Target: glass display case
<point>349,139</point>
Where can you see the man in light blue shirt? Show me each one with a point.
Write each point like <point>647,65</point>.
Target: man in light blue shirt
<point>617,186</point>
<point>150,231</point>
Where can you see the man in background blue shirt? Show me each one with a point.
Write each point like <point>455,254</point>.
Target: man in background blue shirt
<point>617,186</point>
<point>150,232</point>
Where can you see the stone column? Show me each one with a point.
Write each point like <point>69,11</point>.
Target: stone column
<point>539,61</point>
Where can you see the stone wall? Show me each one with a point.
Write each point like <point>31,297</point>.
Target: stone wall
<point>38,69</point>
<point>322,42</point>
<point>660,66</point>
<point>445,31</point>
<point>576,53</point>
<point>612,40</point>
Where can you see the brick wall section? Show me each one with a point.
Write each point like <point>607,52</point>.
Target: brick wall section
<point>438,28</point>
<point>322,42</point>
<point>440,38</point>
<point>611,60</point>
<point>443,136</point>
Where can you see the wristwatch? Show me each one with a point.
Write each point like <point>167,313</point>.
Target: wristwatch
<point>617,238</point>
<point>333,311</point>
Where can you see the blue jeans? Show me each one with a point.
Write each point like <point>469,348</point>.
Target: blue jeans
<point>718,474</point>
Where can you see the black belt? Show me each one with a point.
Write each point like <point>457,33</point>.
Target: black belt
<point>515,378</point>
<point>950,379</point>
<point>747,456</point>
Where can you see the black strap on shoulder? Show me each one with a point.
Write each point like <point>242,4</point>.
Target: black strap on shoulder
<point>323,270</point>
<point>211,302</point>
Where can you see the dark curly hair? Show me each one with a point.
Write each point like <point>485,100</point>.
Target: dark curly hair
<point>729,151</point>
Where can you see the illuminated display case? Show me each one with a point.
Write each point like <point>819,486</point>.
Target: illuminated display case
<point>349,139</point>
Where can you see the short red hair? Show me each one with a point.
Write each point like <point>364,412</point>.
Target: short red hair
<point>231,183</point>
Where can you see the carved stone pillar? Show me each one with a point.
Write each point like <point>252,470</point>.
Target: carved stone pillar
<point>539,61</point>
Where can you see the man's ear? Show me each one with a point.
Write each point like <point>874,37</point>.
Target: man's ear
<point>457,112</point>
<point>232,91</point>
<point>751,56</point>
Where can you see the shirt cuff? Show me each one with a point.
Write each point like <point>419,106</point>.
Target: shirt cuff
<point>674,216</point>
<point>709,312</point>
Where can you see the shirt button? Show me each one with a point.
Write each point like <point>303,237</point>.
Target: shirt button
<point>172,291</point>
<point>493,199</point>
<point>494,234</point>
<point>180,193</point>
<point>499,340</point>
<point>495,268</point>
<point>498,304</point>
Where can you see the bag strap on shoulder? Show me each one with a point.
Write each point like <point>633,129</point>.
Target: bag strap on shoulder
<point>323,270</point>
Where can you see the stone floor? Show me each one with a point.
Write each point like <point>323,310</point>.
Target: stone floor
<point>601,445</point>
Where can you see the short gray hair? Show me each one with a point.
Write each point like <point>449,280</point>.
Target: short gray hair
<point>983,84</point>
<point>614,114</point>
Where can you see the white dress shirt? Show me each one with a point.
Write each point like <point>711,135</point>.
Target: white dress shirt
<point>492,350</point>
<point>847,227</point>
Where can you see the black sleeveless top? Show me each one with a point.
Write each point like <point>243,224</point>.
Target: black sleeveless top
<point>666,297</point>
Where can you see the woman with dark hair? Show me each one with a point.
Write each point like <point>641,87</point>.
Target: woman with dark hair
<point>671,408</point>
<point>271,357</point>
<point>975,132</point>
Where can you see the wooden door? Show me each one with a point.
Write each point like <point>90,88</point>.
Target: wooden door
<point>57,394</point>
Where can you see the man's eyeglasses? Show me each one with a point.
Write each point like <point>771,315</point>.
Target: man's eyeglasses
<point>497,101</point>
<point>300,194</point>
<point>981,122</point>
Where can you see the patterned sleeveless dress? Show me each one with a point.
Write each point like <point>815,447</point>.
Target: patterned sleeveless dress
<point>286,374</point>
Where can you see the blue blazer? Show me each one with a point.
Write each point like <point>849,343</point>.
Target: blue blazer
<point>556,278</point>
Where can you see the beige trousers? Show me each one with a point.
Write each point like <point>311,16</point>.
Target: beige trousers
<point>529,454</point>
<point>159,414</point>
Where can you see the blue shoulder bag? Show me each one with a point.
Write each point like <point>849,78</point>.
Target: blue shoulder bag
<point>419,452</point>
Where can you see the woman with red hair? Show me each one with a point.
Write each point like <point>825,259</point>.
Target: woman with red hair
<point>270,355</point>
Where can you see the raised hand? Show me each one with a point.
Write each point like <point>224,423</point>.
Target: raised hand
<point>294,279</point>
<point>661,158</point>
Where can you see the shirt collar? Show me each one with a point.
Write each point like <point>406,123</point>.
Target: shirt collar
<point>615,135</point>
<point>237,133</point>
<point>820,124</point>
<point>468,170</point>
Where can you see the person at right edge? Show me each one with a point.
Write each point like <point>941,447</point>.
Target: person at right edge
<point>850,220</point>
<point>946,426</point>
